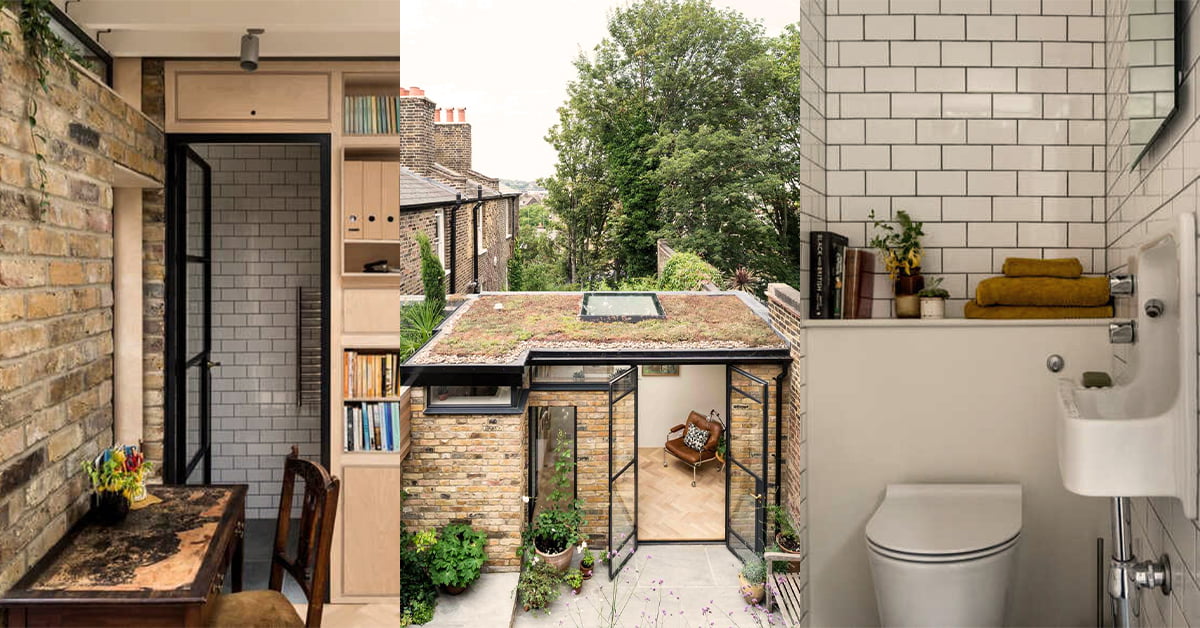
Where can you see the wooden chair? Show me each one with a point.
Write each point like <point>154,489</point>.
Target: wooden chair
<point>309,567</point>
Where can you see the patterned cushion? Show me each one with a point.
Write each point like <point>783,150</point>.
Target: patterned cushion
<point>695,438</point>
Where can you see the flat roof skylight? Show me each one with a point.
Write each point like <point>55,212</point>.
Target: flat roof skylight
<point>620,306</point>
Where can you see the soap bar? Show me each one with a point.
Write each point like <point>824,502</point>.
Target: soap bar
<point>1096,379</point>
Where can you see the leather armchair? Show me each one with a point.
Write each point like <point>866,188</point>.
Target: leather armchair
<point>687,455</point>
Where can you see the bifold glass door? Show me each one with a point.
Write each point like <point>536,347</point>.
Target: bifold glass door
<point>622,469</point>
<point>747,441</point>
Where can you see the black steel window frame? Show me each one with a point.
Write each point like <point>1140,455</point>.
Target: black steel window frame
<point>93,46</point>
<point>533,478</point>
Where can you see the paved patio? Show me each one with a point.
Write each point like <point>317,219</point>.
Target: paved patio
<point>663,585</point>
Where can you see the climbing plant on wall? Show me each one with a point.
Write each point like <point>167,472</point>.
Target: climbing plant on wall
<point>44,51</point>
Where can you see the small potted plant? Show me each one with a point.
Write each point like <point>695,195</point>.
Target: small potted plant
<point>587,563</point>
<point>574,579</point>
<point>117,476</point>
<point>556,529</point>
<point>722,448</point>
<point>753,578</point>
<point>786,537</point>
<point>538,585</point>
<point>900,246</point>
<point>457,557</point>
<point>933,300</point>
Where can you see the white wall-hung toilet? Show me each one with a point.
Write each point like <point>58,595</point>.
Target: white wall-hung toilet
<point>945,554</point>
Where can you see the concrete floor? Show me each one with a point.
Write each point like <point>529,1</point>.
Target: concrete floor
<point>680,585</point>
<point>488,602</point>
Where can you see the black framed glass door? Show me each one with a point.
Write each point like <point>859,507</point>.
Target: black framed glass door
<point>747,441</point>
<point>189,315</point>
<point>622,469</point>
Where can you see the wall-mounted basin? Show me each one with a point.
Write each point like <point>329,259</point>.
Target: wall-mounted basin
<point>1138,437</point>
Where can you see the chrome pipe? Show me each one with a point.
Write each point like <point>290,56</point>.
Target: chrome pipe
<point>1122,560</point>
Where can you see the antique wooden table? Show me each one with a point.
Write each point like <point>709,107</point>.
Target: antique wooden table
<point>157,568</point>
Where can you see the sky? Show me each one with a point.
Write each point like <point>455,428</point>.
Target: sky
<point>508,63</point>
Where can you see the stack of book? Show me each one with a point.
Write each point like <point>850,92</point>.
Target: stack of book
<point>842,280</point>
<point>370,375</point>
<point>373,426</point>
<point>372,115</point>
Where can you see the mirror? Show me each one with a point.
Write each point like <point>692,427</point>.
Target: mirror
<point>1152,71</point>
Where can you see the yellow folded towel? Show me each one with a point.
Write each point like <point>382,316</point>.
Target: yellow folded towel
<point>1066,267</point>
<point>1082,292</point>
<point>1007,312</point>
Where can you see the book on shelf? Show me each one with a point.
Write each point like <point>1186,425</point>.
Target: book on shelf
<point>825,284</point>
<point>370,374</point>
<point>859,283</point>
<point>372,426</point>
<point>371,115</point>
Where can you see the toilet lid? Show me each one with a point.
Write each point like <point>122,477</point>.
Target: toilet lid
<point>935,519</point>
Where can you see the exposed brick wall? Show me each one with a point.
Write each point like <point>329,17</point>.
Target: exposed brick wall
<point>56,294</point>
<point>468,468</point>
<point>452,145</point>
<point>154,275</point>
<point>785,306</point>
<point>413,222</point>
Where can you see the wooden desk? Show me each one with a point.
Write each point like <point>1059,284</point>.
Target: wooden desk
<point>157,568</point>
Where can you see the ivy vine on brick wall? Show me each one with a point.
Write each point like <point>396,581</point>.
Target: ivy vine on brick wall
<point>44,50</point>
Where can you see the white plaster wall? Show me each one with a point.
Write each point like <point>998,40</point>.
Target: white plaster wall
<point>962,401</point>
<point>665,401</point>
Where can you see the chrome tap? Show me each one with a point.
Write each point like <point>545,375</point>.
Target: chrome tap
<point>1122,333</point>
<point>1120,285</point>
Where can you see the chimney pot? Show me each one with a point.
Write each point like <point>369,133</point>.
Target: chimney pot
<point>449,115</point>
<point>437,115</point>
<point>416,91</point>
<point>403,91</point>
<point>462,114</point>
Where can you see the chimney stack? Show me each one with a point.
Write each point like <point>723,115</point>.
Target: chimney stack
<point>452,141</point>
<point>416,129</point>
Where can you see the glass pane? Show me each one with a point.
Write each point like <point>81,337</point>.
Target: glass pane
<point>194,306</point>
<point>195,210</point>
<point>620,304</point>
<point>193,381</point>
<point>747,492</point>
<point>554,438</point>
<point>624,413</point>
<point>471,396</point>
<point>568,374</point>
<point>623,527</point>
<point>1152,75</point>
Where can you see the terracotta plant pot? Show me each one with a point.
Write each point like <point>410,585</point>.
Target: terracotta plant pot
<point>577,589</point>
<point>109,508</point>
<point>752,593</point>
<point>453,590</point>
<point>933,308</point>
<point>560,561</point>
<point>586,572</point>
<point>788,566</point>
<point>908,306</point>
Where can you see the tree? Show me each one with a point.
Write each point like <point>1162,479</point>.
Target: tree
<point>433,276</point>
<point>682,124</point>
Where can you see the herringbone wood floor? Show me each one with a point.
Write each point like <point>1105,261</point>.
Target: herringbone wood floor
<point>670,508</point>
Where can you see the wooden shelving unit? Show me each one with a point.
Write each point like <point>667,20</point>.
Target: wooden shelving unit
<point>366,546</point>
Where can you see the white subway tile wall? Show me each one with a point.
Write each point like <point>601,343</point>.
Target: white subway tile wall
<point>983,119</point>
<point>266,242</point>
<point>1143,200</point>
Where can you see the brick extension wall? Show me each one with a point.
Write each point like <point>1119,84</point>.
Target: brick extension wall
<point>468,468</point>
<point>154,276</point>
<point>56,295</point>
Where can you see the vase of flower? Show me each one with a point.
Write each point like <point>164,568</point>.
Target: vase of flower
<point>900,246</point>
<point>117,476</point>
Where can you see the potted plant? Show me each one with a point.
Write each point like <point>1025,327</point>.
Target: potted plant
<point>722,448</point>
<point>556,529</point>
<point>587,563</point>
<point>933,300</point>
<point>457,557</point>
<point>117,476</point>
<point>753,578</point>
<point>900,246</point>
<point>574,579</point>
<point>786,536</point>
<point>538,585</point>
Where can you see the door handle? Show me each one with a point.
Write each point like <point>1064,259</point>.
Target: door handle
<point>756,496</point>
<point>210,364</point>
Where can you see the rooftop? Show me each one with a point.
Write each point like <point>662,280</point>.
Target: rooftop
<point>502,328</point>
